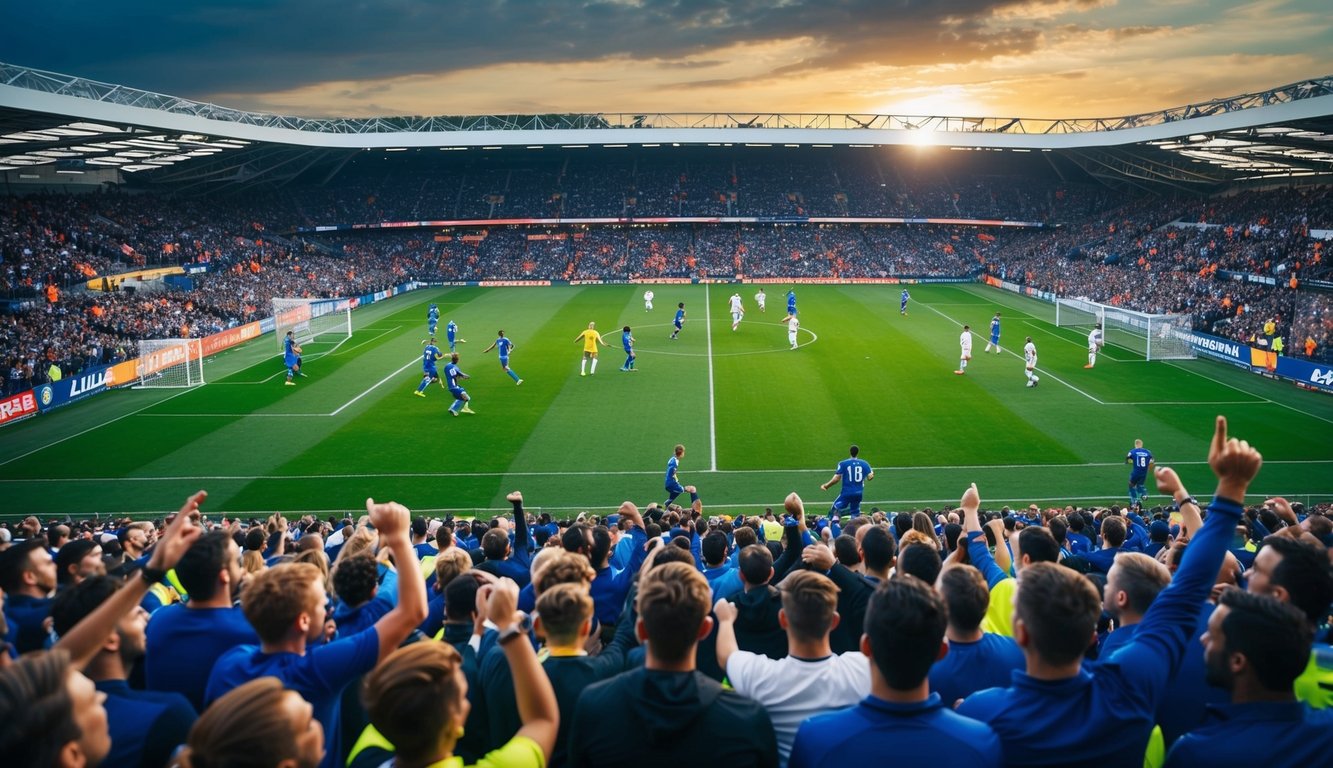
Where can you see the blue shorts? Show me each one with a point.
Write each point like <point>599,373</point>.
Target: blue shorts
<point>677,323</point>
<point>850,501</point>
<point>290,360</point>
<point>457,393</point>
<point>629,351</point>
<point>995,338</point>
<point>675,487</point>
<point>1137,479</point>
<point>431,372</point>
<point>504,362</point>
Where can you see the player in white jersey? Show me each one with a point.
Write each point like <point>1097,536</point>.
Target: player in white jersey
<point>1094,345</point>
<point>793,325</point>
<point>737,311</point>
<point>964,350</point>
<point>1030,361</point>
<point>647,301</point>
<point>760,298</point>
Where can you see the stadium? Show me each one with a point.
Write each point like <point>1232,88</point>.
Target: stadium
<point>705,311</point>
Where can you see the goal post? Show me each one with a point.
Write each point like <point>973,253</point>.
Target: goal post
<point>1155,336</point>
<point>312,319</point>
<point>171,363</point>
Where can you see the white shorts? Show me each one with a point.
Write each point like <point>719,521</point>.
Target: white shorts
<point>736,316</point>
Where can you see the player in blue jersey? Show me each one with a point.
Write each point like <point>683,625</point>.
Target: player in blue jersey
<point>791,301</point>
<point>680,319</point>
<point>902,302</point>
<point>433,318</point>
<point>505,346</point>
<point>451,333</point>
<point>627,341</point>
<point>428,371</point>
<point>452,375</point>
<point>673,486</point>
<point>291,358</point>
<point>853,473</point>
<point>1140,464</point>
<point>994,334</point>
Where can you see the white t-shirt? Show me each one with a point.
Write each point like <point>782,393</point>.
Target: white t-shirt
<point>965,342</point>
<point>1030,354</point>
<point>760,297</point>
<point>647,295</point>
<point>1094,338</point>
<point>793,689</point>
<point>735,302</point>
<point>792,324</point>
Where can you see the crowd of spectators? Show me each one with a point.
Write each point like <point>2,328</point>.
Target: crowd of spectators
<point>1152,254</point>
<point>964,636</point>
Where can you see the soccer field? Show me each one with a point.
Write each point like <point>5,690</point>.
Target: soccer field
<point>758,419</point>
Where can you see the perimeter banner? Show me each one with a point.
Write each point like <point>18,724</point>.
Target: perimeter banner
<point>18,407</point>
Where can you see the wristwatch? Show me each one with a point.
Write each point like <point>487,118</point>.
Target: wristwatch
<point>519,628</point>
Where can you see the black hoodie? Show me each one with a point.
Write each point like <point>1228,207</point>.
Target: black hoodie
<point>647,718</point>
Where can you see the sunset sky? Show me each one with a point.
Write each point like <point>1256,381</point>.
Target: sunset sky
<point>1024,58</point>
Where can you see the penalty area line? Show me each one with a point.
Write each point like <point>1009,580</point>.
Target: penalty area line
<point>374,386</point>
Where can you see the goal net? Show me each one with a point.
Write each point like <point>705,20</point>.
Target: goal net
<point>312,320</point>
<point>171,363</point>
<point>1155,337</point>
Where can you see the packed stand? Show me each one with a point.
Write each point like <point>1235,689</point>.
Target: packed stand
<point>844,637</point>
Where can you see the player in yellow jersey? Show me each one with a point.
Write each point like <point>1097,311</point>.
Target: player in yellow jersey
<point>590,338</point>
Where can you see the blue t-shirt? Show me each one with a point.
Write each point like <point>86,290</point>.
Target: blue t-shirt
<point>625,341</point>
<point>1139,459</point>
<point>995,329</point>
<point>680,316</point>
<point>971,667</point>
<point>904,298</point>
<point>853,473</point>
<point>319,676</point>
<point>146,726</point>
<point>673,464</point>
<point>924,734</point>
<point>288,345</point>
<point>428,358</point>
<point>452,375</point>
<point>451,329</point>
<point>29,613</point>
<point>184,642</point>
<point>502,346</point>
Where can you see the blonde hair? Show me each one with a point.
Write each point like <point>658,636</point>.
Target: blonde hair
<point>562,568</point>
<point>449,564</point>
<point>252,561</point>
<point>917,537</point>
<point>361,542</point>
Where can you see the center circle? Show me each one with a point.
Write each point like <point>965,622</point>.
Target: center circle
<point>639,349</point>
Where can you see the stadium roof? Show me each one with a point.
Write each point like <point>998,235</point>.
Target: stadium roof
<point>77,124</point>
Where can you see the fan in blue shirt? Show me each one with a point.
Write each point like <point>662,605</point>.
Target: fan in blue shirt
<point>976,660</point>
<point>1140,464</point>
<point>1058,713</point>
<point>429,372</point>
<point>1256,646</point>
<point>904,636</point>
<point>288,631</point>
<point>853,473</point>
<point>504,346</point>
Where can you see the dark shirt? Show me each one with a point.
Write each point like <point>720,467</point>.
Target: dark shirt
<point>183,644</point>
<point>30,614</point>
<point>146,726</point>
<point>971,667</point>
<point>1256,734</point>
<point>924,734</point>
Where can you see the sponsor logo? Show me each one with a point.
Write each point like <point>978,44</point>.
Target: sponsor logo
<point>1322,377</point>
<point>86,384</point>
<point>45,395</point>
<point>18,406</point>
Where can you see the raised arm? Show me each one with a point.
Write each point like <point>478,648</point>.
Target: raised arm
<point>522,537</point>
<point>84,639</point>
<point>392,520</point>
<point>977,551</point>
<point>537,706</point>
<point>726,613</point>
<point>1168,482</point>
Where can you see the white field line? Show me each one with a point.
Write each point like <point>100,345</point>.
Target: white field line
<point>1251,394</point>
<point>616,473</point>
<point>712,405</point>
<point>90,429</point>
<point>374,386</point>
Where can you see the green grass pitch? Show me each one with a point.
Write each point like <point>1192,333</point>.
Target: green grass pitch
<point>758,420</point>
